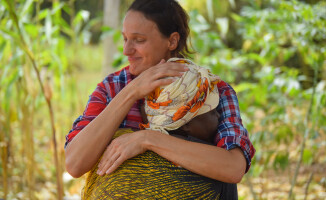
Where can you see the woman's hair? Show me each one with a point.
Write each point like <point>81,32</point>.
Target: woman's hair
<point>169,17</point>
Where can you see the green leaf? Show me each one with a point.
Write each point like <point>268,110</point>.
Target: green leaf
<point>25,10</point>
<point>82,16</point>
<point>67,9</point>
<point>48,28</point>
<point>107,29</point>
<point>57,8</point>
<point>244,87</point>
<point>31,30</point>
<point>281,161</point>
<point>210,10</point>
<point>117,36</point>
<point>284,134</point>
<point>232,4</point>
<point>257,170</point>
<point>223,24</point>
<point>236,17</point>
<point>256,57</point>
<point>2,47</point>
<point>307,157</point>
<point>43,14</point>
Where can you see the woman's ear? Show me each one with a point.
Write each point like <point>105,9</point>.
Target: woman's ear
<point>174,41</point>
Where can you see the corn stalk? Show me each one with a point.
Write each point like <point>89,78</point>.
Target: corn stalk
<point>45,92</point>
<point>4,159</point>
<point>307,132</point>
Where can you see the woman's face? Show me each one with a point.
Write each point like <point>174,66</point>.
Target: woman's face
<point>144,44</point>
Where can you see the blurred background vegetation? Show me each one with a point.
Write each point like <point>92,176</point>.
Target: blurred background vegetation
<point>271,51</point>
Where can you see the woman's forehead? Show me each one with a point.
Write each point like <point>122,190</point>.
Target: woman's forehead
<point>136,23</point>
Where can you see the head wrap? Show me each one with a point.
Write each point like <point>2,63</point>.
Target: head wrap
<point>195,93</point>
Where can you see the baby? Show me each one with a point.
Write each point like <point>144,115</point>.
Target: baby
<point>187,107</point>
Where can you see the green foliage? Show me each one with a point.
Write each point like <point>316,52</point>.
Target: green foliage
<point>283,44</point>
<point>278,35</point>
<point>32,46</point>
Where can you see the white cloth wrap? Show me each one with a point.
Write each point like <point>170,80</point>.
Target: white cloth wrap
<point>182,91</point>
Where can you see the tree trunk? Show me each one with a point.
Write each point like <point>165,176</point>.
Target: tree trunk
<point>111,19</point>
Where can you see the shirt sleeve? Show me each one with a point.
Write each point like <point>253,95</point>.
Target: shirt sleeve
<point>231,133</point>
<point>95,105</point>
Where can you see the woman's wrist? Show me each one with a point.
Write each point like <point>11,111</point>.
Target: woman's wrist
<point>148,136</point>
<point>131,93</point>
<point>145,139</point>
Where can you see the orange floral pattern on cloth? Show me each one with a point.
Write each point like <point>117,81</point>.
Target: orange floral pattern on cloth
<point>194,104</point>
<point>195,93</point>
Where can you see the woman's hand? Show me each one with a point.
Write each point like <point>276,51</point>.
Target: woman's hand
<point>156,76</point>
<point>121,149</point>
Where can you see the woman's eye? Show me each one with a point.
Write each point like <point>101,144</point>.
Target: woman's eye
<point>140,40</point>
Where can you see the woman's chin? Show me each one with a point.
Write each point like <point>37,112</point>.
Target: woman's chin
<point>136,69</point>
<point>133,69</point>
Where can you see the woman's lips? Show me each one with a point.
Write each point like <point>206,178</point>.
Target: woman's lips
<point>132,59</point>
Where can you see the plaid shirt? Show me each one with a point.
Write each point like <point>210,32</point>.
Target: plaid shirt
<point>230,134</point>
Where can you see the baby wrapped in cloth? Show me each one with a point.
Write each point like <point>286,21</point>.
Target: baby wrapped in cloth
<point>149,176</point>
<point>170,108</point>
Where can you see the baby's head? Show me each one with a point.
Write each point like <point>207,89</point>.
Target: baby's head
<point>187,105</point>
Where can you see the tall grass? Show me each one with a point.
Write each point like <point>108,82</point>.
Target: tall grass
<point>33,84</point>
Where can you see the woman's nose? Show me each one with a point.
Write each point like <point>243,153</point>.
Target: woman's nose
<point>128,48</point>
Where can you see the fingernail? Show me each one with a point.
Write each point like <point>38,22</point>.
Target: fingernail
<point>99,172</point>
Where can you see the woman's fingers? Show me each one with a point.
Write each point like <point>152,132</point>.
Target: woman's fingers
<point>120,149</point>
<point>110,154</point>
<point>115,165</point>
<point>166,73</point>
<point>159,75</point>
<point>169,69</point>
<point>162,82</point>
<point>162,61</point>
<point>112,164</point>
<point>106,156</point>
<point>164,69</point>
<point>107,165</point>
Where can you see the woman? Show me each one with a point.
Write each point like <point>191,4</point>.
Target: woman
<point>154,31</point>
<point>186,109</point>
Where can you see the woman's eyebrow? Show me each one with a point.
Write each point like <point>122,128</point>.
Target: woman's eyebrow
<point>136,33</point>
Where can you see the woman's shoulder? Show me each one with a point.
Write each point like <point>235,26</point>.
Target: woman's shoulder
<point>122,74</point>
<point>223,84</point>
<point>118,78</point>
<point>114,82</point>
<point>224,88</point>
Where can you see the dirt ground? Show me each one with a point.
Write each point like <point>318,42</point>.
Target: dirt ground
<point>273,185</point>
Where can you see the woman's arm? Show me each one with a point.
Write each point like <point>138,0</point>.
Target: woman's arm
<point>88,145</point>
<point>227,164</point>
<point>207,160</point>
